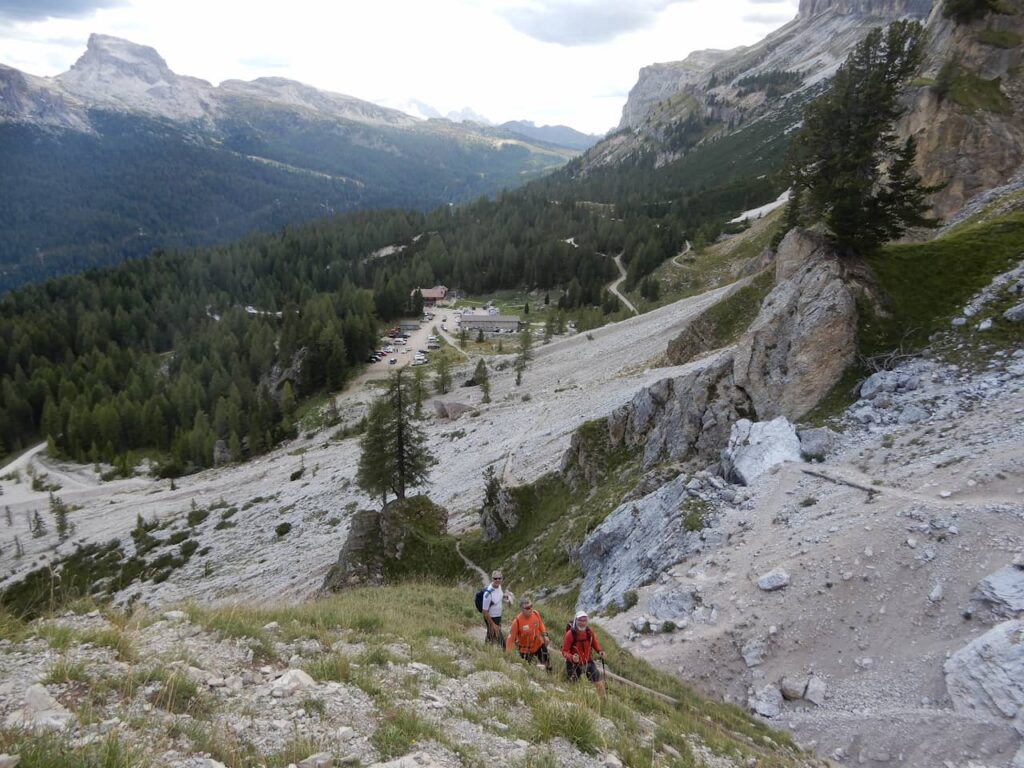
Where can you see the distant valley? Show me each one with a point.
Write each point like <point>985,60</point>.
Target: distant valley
<point>120,156</point>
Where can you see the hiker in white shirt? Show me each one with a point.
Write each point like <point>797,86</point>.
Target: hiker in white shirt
<point>494,597</point>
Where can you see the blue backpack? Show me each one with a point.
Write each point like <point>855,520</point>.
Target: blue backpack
<point>479,598</point>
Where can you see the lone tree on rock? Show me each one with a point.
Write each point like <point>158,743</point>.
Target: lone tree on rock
<point>847,168</point>
<point>393,451</point>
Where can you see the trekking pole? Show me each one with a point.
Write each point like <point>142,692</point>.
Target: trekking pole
<point>604,674</point>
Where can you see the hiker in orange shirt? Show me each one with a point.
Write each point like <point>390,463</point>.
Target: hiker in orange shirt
<point>528,635</point>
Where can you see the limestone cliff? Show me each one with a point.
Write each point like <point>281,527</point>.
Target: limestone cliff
<point>676,105</point>
<point>965,110</point>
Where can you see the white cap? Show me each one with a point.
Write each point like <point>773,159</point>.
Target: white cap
<point>581,614</point>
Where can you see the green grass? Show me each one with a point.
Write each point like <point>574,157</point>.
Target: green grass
<point>975,93</point>
<point>399,731</point>
<point>65,671</point>
<point>572,722</point>
<point>927,284</point>
<point>999,38</point>
<point>49,750</point>
<point>334,667</point>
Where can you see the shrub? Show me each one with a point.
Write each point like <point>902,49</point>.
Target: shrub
<point>283,529</point>
<point>397,733</point>
<point>333,666</point>
<point>570,721</point>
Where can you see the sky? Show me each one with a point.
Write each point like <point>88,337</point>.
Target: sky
<point>568,62</point>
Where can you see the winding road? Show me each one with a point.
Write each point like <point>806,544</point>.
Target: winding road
<point>614,285</point>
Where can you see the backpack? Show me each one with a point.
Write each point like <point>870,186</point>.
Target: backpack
<point>478,599</point>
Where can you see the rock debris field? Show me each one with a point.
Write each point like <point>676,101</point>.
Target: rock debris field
<point>522,433</point>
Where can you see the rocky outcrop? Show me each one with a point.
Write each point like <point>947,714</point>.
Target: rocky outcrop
<point>986,677</point>
<point>658,82</point>
<point>1000,595</point>
<point>802,341</point>
<point>688,416</point>
<point>380,544</point>
<point>450,411</point>
<point>754,448</point>
<point>637,542</point>
<point>499,517</point>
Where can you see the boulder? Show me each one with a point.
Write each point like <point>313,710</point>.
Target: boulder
<point>672,602</point>
<point>1000,594</point>
<point>754,651</point>
<point>793,688</point>
<point>41,711</point>
<point>817,443</point>
<point>756,447</point>
<point>319,760</point>
<point>636,543</point>
<point>802,341</point>
<point>294,680</point>
<point>767,702</point>
<point>774,580</point>
<point>450,411</point>
<point>912,414</point>
<point>985,678</point>
<point>221,454</point>
<point>815,692</point>
<point>9,761</point>
<point>1015,314</point>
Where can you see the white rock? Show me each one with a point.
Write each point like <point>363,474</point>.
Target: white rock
<point>294,680</point>
<point>815,692</point>
<point>773,580</point>
<point>767,702</point>
<point>11,761</point>
<point>793,688</point>
<point>756,447</point>
<point>935,595</point>
<point>346,734</point>
<point>986,677</point>
<point>985,325</point>
<point>319,760</point>
<point>175,616</point>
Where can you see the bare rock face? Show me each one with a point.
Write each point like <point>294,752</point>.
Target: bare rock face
<point>968,149</point>
<point>660,81</point>
<point>690,415</point>
<point>636,543</point>
<point>497,518</point>
<point>1000,595</point>
<point>986,677</point>
<point>801,342</point>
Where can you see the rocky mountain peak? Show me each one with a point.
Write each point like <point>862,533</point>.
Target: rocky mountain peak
<point>106,55</point>
<point>124,75</point>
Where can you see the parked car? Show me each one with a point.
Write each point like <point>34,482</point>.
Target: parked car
<point>392,361</point>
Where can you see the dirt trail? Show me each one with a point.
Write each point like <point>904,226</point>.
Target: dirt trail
<point>613,286</point>
<point>686,250</point>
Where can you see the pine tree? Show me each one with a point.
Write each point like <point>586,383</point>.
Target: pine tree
<point>38,526</point>
<point>481,377</point>
<point>847,168</point>
<point>394,455</point>
<point>59,510</point>
<point>443,375</point>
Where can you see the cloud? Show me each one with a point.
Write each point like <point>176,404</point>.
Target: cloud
<point>38,10</point>
<point>773,19</point>
<point>583,22</point>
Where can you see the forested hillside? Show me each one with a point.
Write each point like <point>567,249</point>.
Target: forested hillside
<point>159,356</point>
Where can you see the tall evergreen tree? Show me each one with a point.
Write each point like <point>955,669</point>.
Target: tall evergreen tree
<point>847,168</point>
<point>394,455</point>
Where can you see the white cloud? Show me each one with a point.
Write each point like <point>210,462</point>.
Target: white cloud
<point>450,54</point>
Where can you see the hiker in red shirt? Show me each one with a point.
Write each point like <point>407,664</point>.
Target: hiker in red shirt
<point>528,635</point>
<point>576,648</point>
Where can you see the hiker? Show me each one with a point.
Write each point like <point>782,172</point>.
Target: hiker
<point>528,635</point>
<point>576,649</point>
<point>491,605</point>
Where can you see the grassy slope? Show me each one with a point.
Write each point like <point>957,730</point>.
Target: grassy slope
<point>433,625</point>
